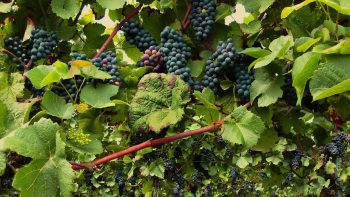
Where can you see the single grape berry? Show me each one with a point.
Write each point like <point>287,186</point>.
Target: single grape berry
<point>44,43</point>
<point>22,52</point>
<point>135,34</point>
<point>202,16</point>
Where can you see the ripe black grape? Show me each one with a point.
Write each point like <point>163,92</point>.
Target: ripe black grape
<point>107,63</point>
<point>70,90</point>
<point>119,178</point>
<point>135,34</point>
<point>175,53</point>
<point>288,179</point>
<point>202,17</point>
<point>336,148</point>
<point>44,43</point>
<point>22,52</point>
<point>243,78</point>
<point>296,160</point>
<point>234,173</point>
<point>289,93</point>
<point>223,58</point>
<point>151,57</point>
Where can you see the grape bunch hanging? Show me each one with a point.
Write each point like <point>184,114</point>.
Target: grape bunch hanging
<point>202,17</point>
<point>107,63</point>
<point>135,34</point>
<point>69,89</point>
<point>44,43</point>
<point>224,56</point>
<point>21,51</point>
<point>243,78</point>
<point>151,57</point>
<point>175,53</point>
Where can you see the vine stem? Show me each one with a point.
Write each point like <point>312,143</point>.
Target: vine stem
<point>185,22</point>
<point>116,29</point>
<point>149,143</point>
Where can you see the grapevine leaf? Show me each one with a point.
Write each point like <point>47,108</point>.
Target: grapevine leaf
<point>303,69</point>
<point>342,48</point>
<point>197,66</point>
<point>37,74</point>
<point>306,43</point>
<point>266,141</point>
<point>267,85</point>
<point>157,169</point>
<point>207,97</point>
<point>99,96</point>
<point>243,127</point>
<point>56,106</point>
<point>158,94</point>
<point>278,47</point>
<point>11,86</point>
<point>94,147</point>
<point>163,118</point>
<point>288,10</point>
<point>256,52</point>
<point>3,160</point>
<point>35,141</point>
<point>112,5</point>
<point>333,77</point>
<point>93,72</point>
<point>65,8</point>
<point>12,115</point>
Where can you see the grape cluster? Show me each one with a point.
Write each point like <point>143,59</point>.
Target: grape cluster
<point>88,178</point>
<point>135,34</point>
<point>224,57</point>
<point>70,90</point>
<point>44,43</point>
<point>289,178</point>
<point>22,52</point>
<point>119,178</point>
<point>151,57</point>
<point>207,155</point>
<point>289,93</point>
<point>179,185</point>
<point>175,53</point>
<point>35,92</point>
<point>336,148</point>
<point>234,173</point>
<point>243,78</point>
<point>296,160</point>
<point>202,17</point>
<point>107,63</point>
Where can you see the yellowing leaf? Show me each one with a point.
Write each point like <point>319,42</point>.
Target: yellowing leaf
<point>81,63</point>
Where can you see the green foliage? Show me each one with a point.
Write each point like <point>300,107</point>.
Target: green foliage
<point>291,138</point>
<point>158,102</point>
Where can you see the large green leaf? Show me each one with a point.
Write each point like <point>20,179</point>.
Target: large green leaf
<point>11,86</point>
<point>267,85</point>
<point>161,97</point>
<point>333,77</point>
<point>288,10</point>
<point>243,127</point>
<point>12,116</point>
<point>278,48</point>
<point>65,8</point>
<point>42,73</point>
<point>112,5</point>
<point>303,69</point>
<point>99,96</point>
<point>48,174</point>
<point>56,106</point>
<point>207,97</point>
